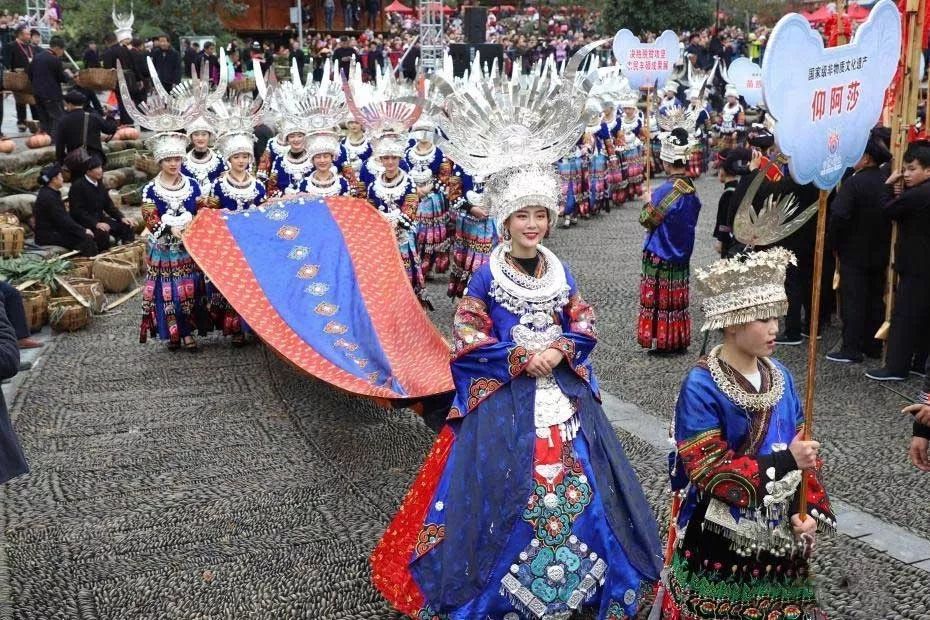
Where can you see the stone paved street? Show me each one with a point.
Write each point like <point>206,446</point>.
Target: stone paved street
<point>225,485</point>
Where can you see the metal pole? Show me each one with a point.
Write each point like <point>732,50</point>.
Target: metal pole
<point>300,25</point>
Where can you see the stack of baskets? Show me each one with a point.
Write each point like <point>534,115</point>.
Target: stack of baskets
<point>91,290</point>
<point>12,236</point>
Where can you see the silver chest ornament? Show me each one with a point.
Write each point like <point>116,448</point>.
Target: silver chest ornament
<point>296,170</point>
<point>243,196</point>
<point>201,170</point>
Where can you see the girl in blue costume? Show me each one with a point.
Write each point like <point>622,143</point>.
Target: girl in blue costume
<point>474,235</point>
<point>174,301</point>
<point>358,151</point>
<point>236,190</point>
<point>742,549</point>
<point>202,163</point>
<point>289,172</point>
<point>394,194</point>
<point>324,180</point>
<point>527,506</point>
<point>432,230</point>
<point>670,219</point>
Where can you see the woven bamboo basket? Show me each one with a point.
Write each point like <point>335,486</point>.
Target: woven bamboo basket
<point>244,85</point>
<point>35,304</point>
<point>122,159</point>
<point>96,78</point>
<point>24,98</point>
<point>92,292</point>
<point>133,253</point>
<point>147,164</point>
<point>12,241</point>
<point>65,314</point>
<point>25,180</point>
<point>81,267</point>
<point>116,273</point>
<point>17,81</point>
<point>131,194</point>
<point>9,219</point>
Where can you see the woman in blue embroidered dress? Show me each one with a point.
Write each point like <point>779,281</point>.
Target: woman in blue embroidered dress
<point>202,163</point>
<point>474,235</point>
<point>358,151</point>
<point>670,219</point>
<point>394,194</point>
<point>742,550</point>
<point>236,190</point>
<point>289,173</point>
<point>174,302</point>
<point>527,506</point>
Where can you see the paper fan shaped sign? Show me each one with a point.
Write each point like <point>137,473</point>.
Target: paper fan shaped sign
<point>644,64</point>
<point>746,76</point>
<point>826,100</point>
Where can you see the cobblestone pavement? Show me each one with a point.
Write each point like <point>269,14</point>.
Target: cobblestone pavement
<point>225,485</point>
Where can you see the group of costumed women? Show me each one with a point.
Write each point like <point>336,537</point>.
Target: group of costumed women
<point>526,507</point>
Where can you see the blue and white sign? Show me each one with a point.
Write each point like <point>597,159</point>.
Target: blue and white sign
<point>644,64</point>
<point>746,76</point>
<point>826,100</point>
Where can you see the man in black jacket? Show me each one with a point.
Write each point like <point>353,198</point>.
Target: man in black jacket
<point>92,208</point>
<point>47,75</point>
<point>908,204</point>
<point>861,235</point>
<point>167,62</point>
<point>70,132</point>
<point>54,226</point>
<point>19,55</point>
<point>191,66</point>
<point>141,68</point>
<point>91,56</point>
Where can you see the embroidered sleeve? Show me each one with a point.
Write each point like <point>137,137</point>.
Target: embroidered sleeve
<point>651,215</point>
<point>410,206</point>
<point>712,466</point>
<point>152,219</point>
<point>581,316</point>
<point>472,326</point>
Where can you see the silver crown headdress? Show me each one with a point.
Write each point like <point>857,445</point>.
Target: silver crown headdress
<point>123,23</point>
<point>164,117</point>
<point>236,119</point>
<point>196,91</point>
<point>745,288</point>
<point>673,148</point>
<point>385,113</point>
<point>514,131</point>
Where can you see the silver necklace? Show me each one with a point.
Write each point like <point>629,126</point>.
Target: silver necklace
<point>524,294</point>
<point>738,396</point>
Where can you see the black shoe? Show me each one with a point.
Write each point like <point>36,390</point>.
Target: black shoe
<point>788,339</point>
<point>841,357</point>
<point>919,371</point>
<point>883,374</point>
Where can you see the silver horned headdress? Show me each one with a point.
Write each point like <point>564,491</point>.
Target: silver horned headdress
<point>514,131</point>
<point>123,23</point>
<point>236,120</point>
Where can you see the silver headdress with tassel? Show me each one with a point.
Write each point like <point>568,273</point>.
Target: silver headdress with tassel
<point>675,149</point>
<point>746,288</point>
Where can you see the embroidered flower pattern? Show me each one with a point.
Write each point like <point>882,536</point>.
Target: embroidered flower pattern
<point>326,309</point>
<point>481,389</point>
<point>335,328</point>
<point>308,272</point>
<point>318,289</point>
<point>288,232</point>
<point>430,535</point>
<point>517,360</point>
<point>298,252</point>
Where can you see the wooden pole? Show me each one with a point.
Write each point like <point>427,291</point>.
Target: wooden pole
<point>812,341</point>
<point>905,111</point>
<point>647,131</point>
